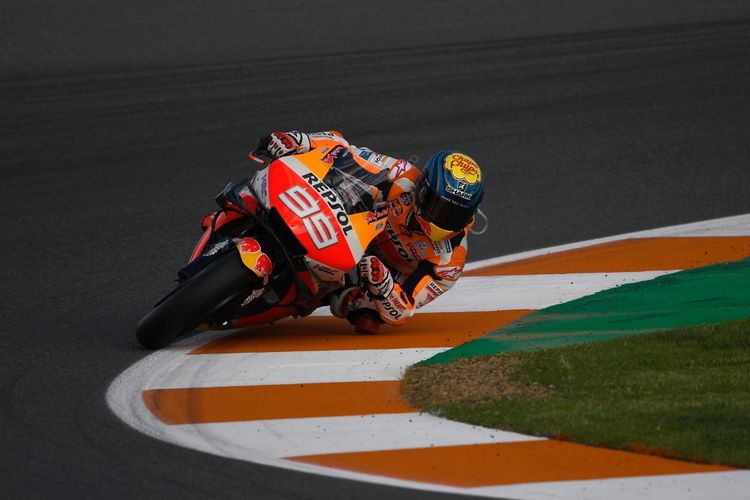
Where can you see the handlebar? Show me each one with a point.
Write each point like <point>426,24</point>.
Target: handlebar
<point>260,154</point>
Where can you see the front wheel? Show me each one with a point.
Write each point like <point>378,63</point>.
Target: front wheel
<point>194,301</point>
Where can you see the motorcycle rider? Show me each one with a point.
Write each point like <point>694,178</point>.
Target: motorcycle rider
<point>422,251</point>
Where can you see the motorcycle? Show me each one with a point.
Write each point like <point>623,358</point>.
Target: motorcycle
<point>278,245</point>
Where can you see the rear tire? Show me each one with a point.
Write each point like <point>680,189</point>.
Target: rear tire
<point>194,301</point>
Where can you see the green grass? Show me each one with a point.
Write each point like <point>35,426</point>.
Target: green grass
<point>683,393</point>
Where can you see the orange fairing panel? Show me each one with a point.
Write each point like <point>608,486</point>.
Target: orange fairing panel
<point>313,160</point>
<point>367,225</point>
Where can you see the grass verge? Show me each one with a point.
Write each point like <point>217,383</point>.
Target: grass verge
<point>682,393</point>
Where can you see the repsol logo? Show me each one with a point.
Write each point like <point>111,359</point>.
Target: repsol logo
<point>394,310</point>
<point>396,241</point>
<point>332,199</point>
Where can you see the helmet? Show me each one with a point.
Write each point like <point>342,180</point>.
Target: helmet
<point>448,193</point>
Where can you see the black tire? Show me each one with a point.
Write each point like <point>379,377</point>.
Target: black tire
<point>194,301</point>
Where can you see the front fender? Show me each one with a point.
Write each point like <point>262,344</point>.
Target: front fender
<point>220,220</point>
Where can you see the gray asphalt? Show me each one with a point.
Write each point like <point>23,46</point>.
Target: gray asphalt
<point>119,123</point>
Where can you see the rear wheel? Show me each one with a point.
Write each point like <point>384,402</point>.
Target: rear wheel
<point>194,301</point>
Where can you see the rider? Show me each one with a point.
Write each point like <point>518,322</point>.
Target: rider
<point>421,253</point>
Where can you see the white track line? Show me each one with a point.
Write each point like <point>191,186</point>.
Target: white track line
<point>311,436</point>
<point>296,367</point>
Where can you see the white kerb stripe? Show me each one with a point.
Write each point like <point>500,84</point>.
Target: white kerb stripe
<point>295,367</point>
<point>498,293</point>
<point>734,485</point>
<point>312,436</point>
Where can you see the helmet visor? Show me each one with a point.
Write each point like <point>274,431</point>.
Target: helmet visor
<point>432,231</point>
<point>442,212</point>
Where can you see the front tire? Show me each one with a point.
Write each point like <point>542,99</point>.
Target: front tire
<point>194,301</point>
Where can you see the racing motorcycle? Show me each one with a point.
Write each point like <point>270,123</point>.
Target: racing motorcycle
<point>279,243</point>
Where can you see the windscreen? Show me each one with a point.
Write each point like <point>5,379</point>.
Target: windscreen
<point>356,195</point>
<point>354,184</point>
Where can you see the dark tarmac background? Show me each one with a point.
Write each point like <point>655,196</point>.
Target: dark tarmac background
<point>119,122</point>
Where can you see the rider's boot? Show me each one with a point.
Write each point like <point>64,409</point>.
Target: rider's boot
<point>365,321</point>
<point>353,305</point>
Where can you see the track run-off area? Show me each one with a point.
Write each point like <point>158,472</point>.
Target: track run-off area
<point>311,395</point>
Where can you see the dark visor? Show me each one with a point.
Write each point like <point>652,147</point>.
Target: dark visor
<point>441,211</point>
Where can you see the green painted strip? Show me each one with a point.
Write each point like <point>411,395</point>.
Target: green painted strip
<point>712,294</point>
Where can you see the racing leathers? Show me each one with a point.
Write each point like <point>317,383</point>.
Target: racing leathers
<point>403,269</point>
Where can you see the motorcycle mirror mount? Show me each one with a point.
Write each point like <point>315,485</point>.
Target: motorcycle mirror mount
<point>261,156</point>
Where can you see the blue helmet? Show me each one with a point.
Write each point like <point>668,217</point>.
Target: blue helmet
<point>449,191</point>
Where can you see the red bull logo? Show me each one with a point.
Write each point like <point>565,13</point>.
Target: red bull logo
<point>333,155</point>
<point>463,168</point>
<point>379,214</point>
<point>254,258</point>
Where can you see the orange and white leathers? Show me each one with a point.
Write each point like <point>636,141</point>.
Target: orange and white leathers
<point>421,268</point>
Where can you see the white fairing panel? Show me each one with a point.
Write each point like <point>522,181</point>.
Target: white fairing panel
<point>260,186</point>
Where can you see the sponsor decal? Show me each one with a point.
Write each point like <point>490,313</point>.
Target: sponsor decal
<point>334,155</point>
<point>392,312</point>
<point>396,242</point>
<point>407,198</point>
<point>214,249</point>
<point>398,169</point>
<point>260,185</point>
<point>377,159</point>
<point>459,190</point>
<point>325,269</point>
<point>325,273</point>
<point>431,285</point>
<point>416,251</point>
<point>331,198</point>
<point>322,135</point>
<point>380,226</point>
<point>365,153</point>
<point>379,214</point>
<point>463,167</point>
<point>442,247</point>
<point>317,224</point>
<point>394,307</point>
<point>250,298</point>
<point>450,273</point>
<point>395,207</point>
<point>254,258</point>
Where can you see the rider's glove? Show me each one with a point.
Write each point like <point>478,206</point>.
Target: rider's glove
<point>376,275</point>
<point>286,143</point>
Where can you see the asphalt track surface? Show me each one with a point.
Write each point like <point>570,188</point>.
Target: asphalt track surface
<point>118,125</point>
